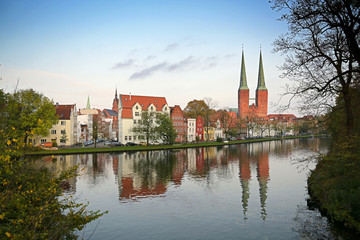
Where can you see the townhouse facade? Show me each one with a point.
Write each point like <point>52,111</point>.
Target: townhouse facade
<point>130,110</point>
<point>64,133</point>
<point>191,129</point>
<point>179,122</point>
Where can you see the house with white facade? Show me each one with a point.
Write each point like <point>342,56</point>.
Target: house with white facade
<point>191,129</point>
<point>130,109</point>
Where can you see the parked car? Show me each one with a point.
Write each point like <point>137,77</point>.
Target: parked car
<point>143,143</point>
<point>131,144</point>
<point>155,143</point>
<point>115,144</point>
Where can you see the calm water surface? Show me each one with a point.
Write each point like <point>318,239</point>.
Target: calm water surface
<point>244,191</point>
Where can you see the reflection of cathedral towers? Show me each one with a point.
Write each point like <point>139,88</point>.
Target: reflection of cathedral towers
<point>261,155</point>
<point>263,177</point>
<point>245,176</point>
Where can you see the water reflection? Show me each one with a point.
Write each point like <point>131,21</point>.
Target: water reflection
<point>248,177</point>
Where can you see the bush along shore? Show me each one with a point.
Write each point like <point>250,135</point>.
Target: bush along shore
<point>81,150</point>
<point>334,186</point>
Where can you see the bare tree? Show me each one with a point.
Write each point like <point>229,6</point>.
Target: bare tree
<point>208,112</point>
<point>322,52</point>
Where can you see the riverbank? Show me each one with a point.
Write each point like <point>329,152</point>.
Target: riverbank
<point>334,186</point>
<point>81,150</point>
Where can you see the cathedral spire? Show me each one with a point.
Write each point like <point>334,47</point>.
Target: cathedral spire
<point>261,78</point>
<point>243,82</point>
<point>88,103</point>
<point>116,93</point>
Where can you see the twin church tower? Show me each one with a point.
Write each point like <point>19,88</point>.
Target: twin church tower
<point>259,109</point>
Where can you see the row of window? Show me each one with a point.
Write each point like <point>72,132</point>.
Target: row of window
<point>53,140</point>
<point>54,131</point>
<point>128,138</point>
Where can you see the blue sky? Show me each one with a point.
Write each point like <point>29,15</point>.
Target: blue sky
<point>182,50</point>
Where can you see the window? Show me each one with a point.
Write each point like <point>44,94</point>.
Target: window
<point>152,108</point>
<point>137,114</point>
<point>63,131</point>
<point>165,108</point>
<point>134,138</point>
<point>125,138</point>
<point>43,140</point>
<point>63,140</point>
<point>63,123</point>
<point>129,138</point>
<point>53,131</point>
<point>137,107</point>
<point>135,121</point>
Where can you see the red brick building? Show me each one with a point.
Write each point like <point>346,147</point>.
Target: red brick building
<point>259,109</point>
<point>200,128</point>
<point>180,123</point>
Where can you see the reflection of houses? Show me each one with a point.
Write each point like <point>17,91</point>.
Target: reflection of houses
<point>58,164</point>
<point>141,174</point>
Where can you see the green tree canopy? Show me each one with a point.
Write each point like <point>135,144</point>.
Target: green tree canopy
<point>165,129</point>
<point>29,113</point>
<point>145,129</point>
<point>195,108</point>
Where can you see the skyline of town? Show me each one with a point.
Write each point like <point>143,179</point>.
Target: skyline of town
<point>180,50</point>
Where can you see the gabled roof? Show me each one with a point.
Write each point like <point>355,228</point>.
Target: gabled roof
<point>110,113</point>
<point>128,101</point>
<point>64,111</point>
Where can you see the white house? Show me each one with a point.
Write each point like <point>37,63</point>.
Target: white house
<point>191,129</point>
<point>130,109</point>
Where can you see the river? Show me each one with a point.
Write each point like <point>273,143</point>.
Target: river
<point>243,191</point>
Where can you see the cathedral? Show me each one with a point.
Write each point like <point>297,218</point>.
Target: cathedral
<point>259,109</point>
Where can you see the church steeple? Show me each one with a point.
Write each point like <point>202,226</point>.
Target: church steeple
<point>88,103</point>
<point>243,82</point>
<point>116,93</point>
<point>261,78</point>
<point>115,105</point>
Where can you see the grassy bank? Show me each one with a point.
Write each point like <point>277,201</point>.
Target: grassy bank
<point>334,186</point>
<point>64,151</point>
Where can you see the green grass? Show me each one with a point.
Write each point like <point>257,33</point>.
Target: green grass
<point>80,150</point>
<point>334,186</point>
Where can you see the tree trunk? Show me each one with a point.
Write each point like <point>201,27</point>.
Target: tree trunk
<point>348,112</point>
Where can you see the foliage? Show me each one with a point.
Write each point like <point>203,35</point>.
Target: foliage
<point>337,117</point>
<point>145,129</point>
<point>195,108</point>
<point>225,121</point>
<point>30,113</point>
<point>323,53</point>
<point>165,129</point>
<point>335,183</point>
<point>32,202</point>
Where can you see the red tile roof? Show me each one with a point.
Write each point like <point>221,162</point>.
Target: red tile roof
<point>64,111</point>
<point>128,101</point>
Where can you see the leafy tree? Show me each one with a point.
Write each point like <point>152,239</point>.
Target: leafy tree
<point>29,113</point>
<point>225,121</point>
<point>32,203</point>
<point>165,129</point>
<point>145,129</point>
<point>323,53</point>
<point>208,113</point>
<point>195,108</point>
